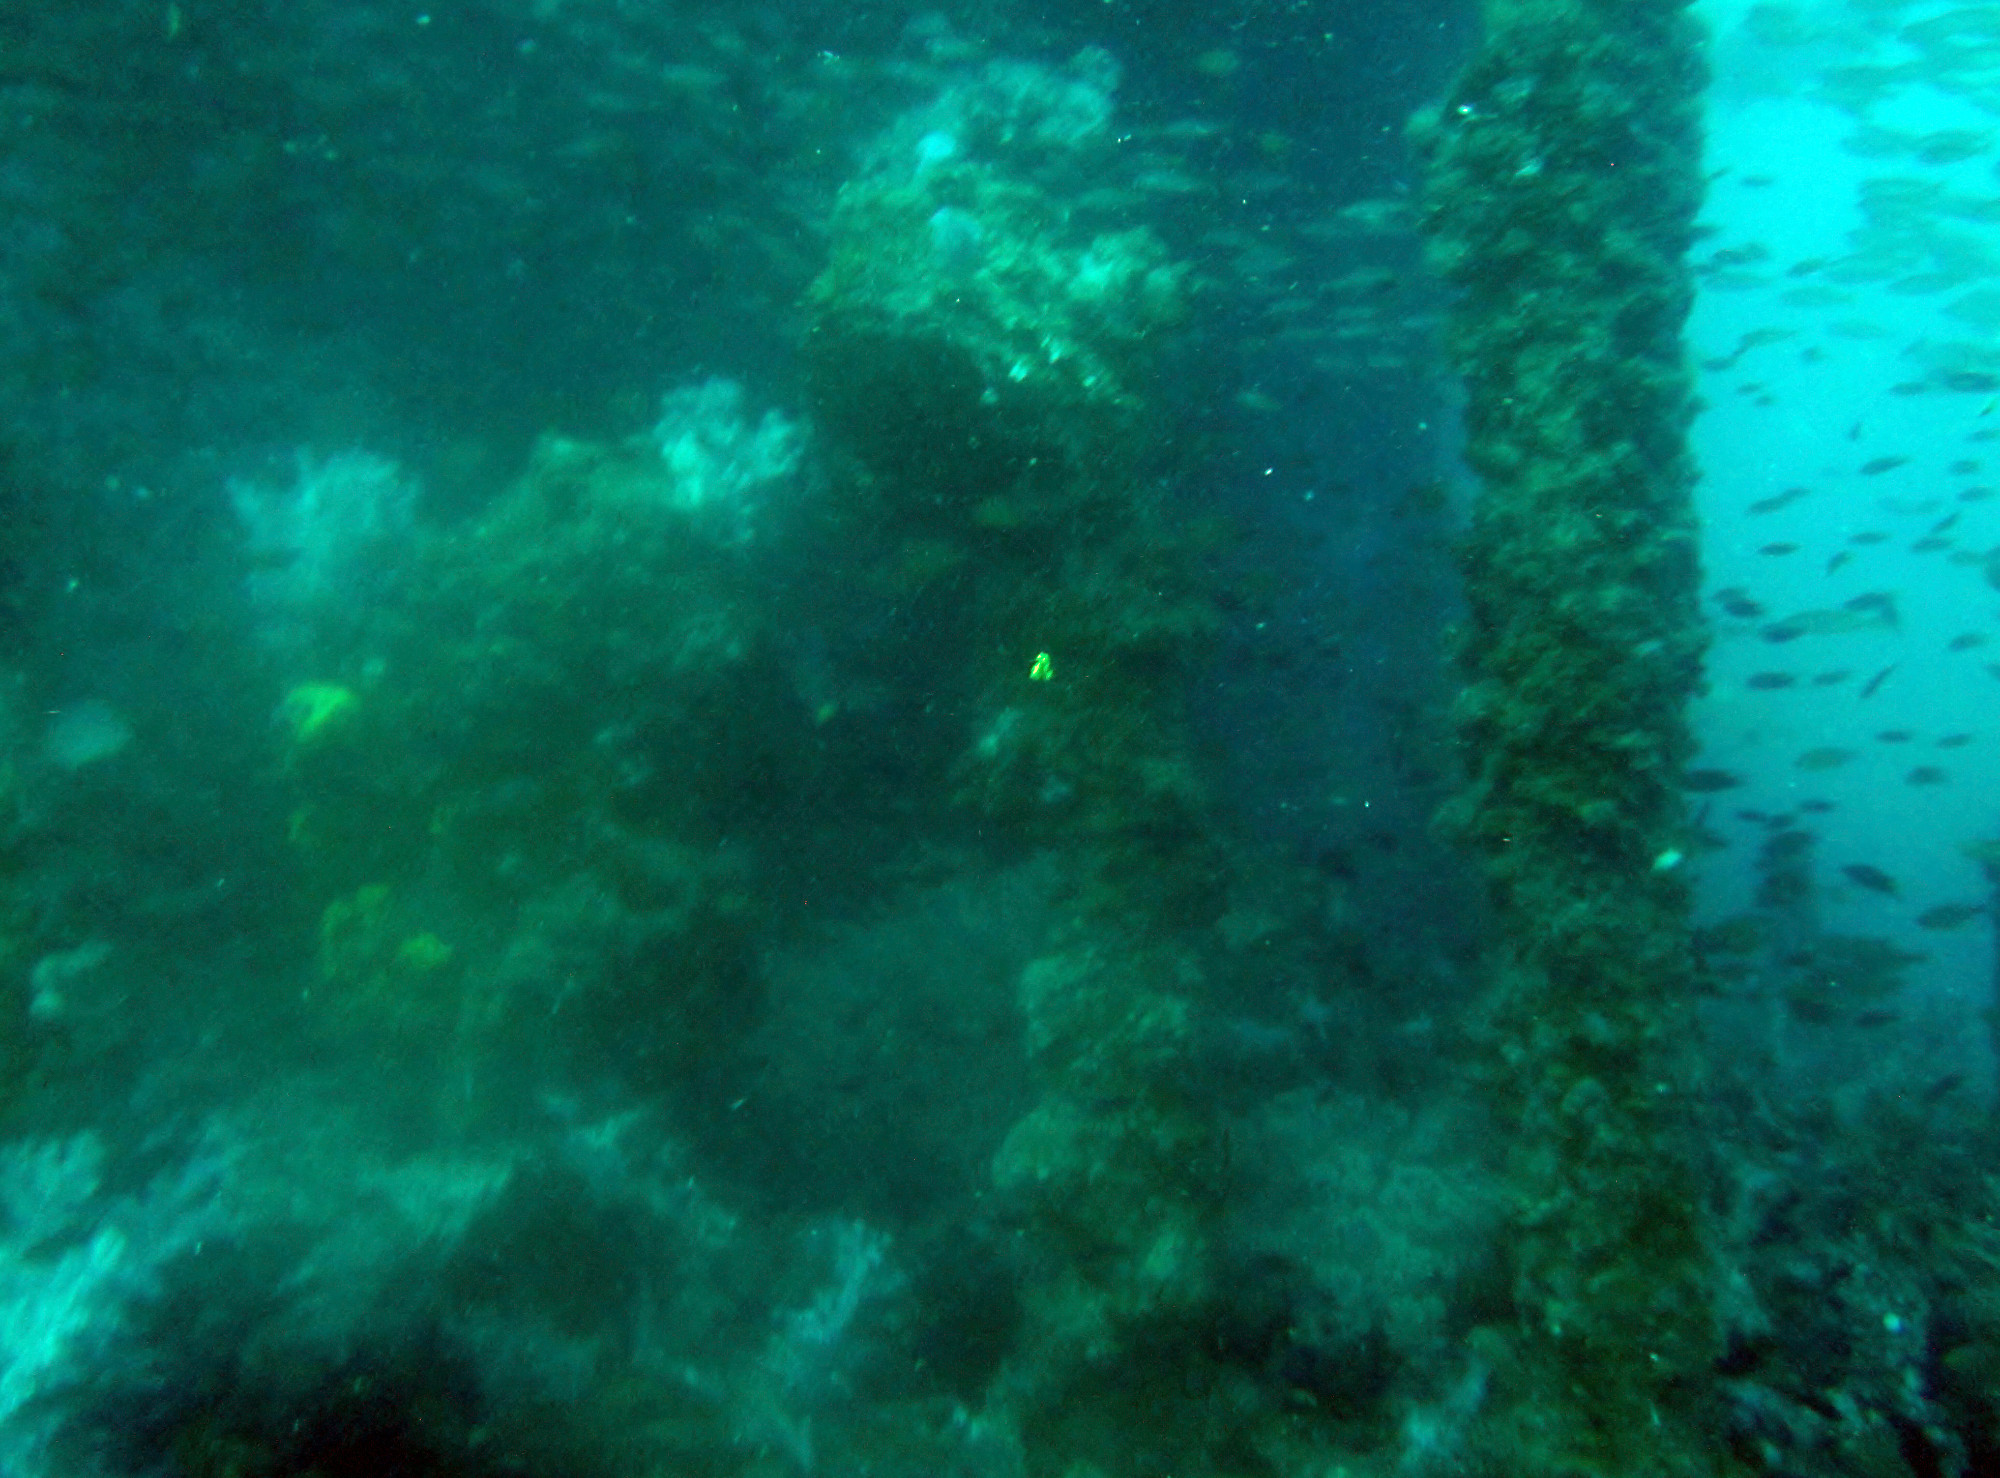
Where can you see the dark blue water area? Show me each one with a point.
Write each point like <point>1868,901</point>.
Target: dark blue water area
<point>1327,702</point>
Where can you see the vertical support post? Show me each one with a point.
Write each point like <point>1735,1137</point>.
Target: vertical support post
<point>1562,179</point>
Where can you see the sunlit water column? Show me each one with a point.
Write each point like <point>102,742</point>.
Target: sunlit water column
<point>1847,333</point>
<point>1562,180</point>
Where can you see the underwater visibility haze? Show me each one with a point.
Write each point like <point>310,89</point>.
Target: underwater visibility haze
<point>769,739</point>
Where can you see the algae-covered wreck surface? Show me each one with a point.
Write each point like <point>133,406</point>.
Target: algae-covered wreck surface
<point>766,739</point>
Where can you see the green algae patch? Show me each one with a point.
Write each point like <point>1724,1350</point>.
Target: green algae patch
<point>313,711</point>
